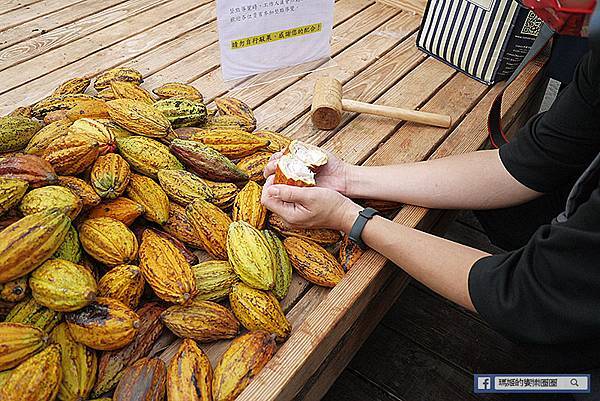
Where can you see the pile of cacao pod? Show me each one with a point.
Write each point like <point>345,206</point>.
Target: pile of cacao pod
<point>126,215</point>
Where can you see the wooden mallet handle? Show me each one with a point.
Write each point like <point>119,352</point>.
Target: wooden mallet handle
<point>328,104</point>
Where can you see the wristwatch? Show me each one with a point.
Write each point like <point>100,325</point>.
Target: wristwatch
<point>359,225</point>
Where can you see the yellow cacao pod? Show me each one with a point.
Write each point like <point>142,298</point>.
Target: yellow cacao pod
<point>96,131</point>
<point>115,129</point>
<point>55,103</point>
<point>232,143</point>
<point>350,252</point>
<point>4,377</point>
<point>139,118</point>
<point>313,262</point>
<point>108,241</point>
<point>27,243</point>
<point>106,94</point>
<point>110,176</point>
<point>122,209</point>
<point>229,106</point>
<point>31,313</point>
<point>72,86</point>
<point>12,191</point>
<point>210,224</point>
<point>202,321</point>
<point>117,74</point>
<point>224,193</point>
<point>79,365</point>
<point>105,324</point>
<point>179,227</point>
<point>14,291</point>
<point>321,236</point>
<point>112,363</point>
<point>254,165</point>
<point>18,342</point>
<point>165,269</point>
<point>44,137</point>
<point>248,207</point>
<point>52,197</point>
<point>62,286</point>
<point>124,283</point>
<point>277,141</point>
<point>36,379</point>
<point>93,108</point>
<point>250,256</point>
<point>189,374</point>
<point>128,90</point>
<point>151,196</point>
<point>183,187</point>
<point>243,360</point>
<point>22,111</point>
<point>16,132</point>
<point>214,279</point>
<point>283,266</point>
<point>230,122</point>
<point>259,310</point>
<point>57,115</point>
<point>144,380</point>
<point>72,154</point>
<point>178,90</point>
<point>79,187</point>
<point>147,156</point>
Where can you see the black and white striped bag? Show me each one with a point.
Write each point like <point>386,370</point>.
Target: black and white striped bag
<point>486,39</point>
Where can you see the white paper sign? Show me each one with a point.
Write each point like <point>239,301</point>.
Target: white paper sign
<point>263,35</point>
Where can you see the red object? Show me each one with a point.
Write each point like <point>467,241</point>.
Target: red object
<point>566,17</point>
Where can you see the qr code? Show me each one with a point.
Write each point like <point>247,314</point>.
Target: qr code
<point>532,24</point>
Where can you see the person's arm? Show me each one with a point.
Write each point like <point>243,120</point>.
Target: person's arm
<point>475,180</point>
<point>440,264</point>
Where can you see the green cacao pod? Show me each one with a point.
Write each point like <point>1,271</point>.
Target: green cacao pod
<point>250,255</point>
<point>283,266</point>
<point>182,112</point>
<point>16,132</point>
<point>34,314</point>
<point>214,279</point>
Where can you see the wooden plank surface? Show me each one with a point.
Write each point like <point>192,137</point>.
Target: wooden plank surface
<point>32,11</point>
<point>41,26</point>
<point>63,27</point>
<point>452,333</point>
<point>166,15</point>
<point>10,5</point>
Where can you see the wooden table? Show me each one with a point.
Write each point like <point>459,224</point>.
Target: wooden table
<point>43,43</point>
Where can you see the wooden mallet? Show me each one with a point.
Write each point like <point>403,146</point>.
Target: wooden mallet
<point>328,104</point>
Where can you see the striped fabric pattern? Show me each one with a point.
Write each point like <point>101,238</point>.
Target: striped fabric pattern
<point>467,35</point>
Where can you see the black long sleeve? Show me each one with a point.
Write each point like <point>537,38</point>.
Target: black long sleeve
<point>549,290</point>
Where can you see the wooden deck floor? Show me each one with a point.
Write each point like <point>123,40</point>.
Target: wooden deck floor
<point>427,348</point>
<point>45,42</point>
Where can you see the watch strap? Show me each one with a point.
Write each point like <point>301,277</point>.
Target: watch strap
<point>361,221</point>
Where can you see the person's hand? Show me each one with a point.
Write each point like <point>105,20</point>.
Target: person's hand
<point>310,207</point>
<point>333,175</point>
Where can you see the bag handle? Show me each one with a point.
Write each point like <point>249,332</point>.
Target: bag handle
<point>496,133</point>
